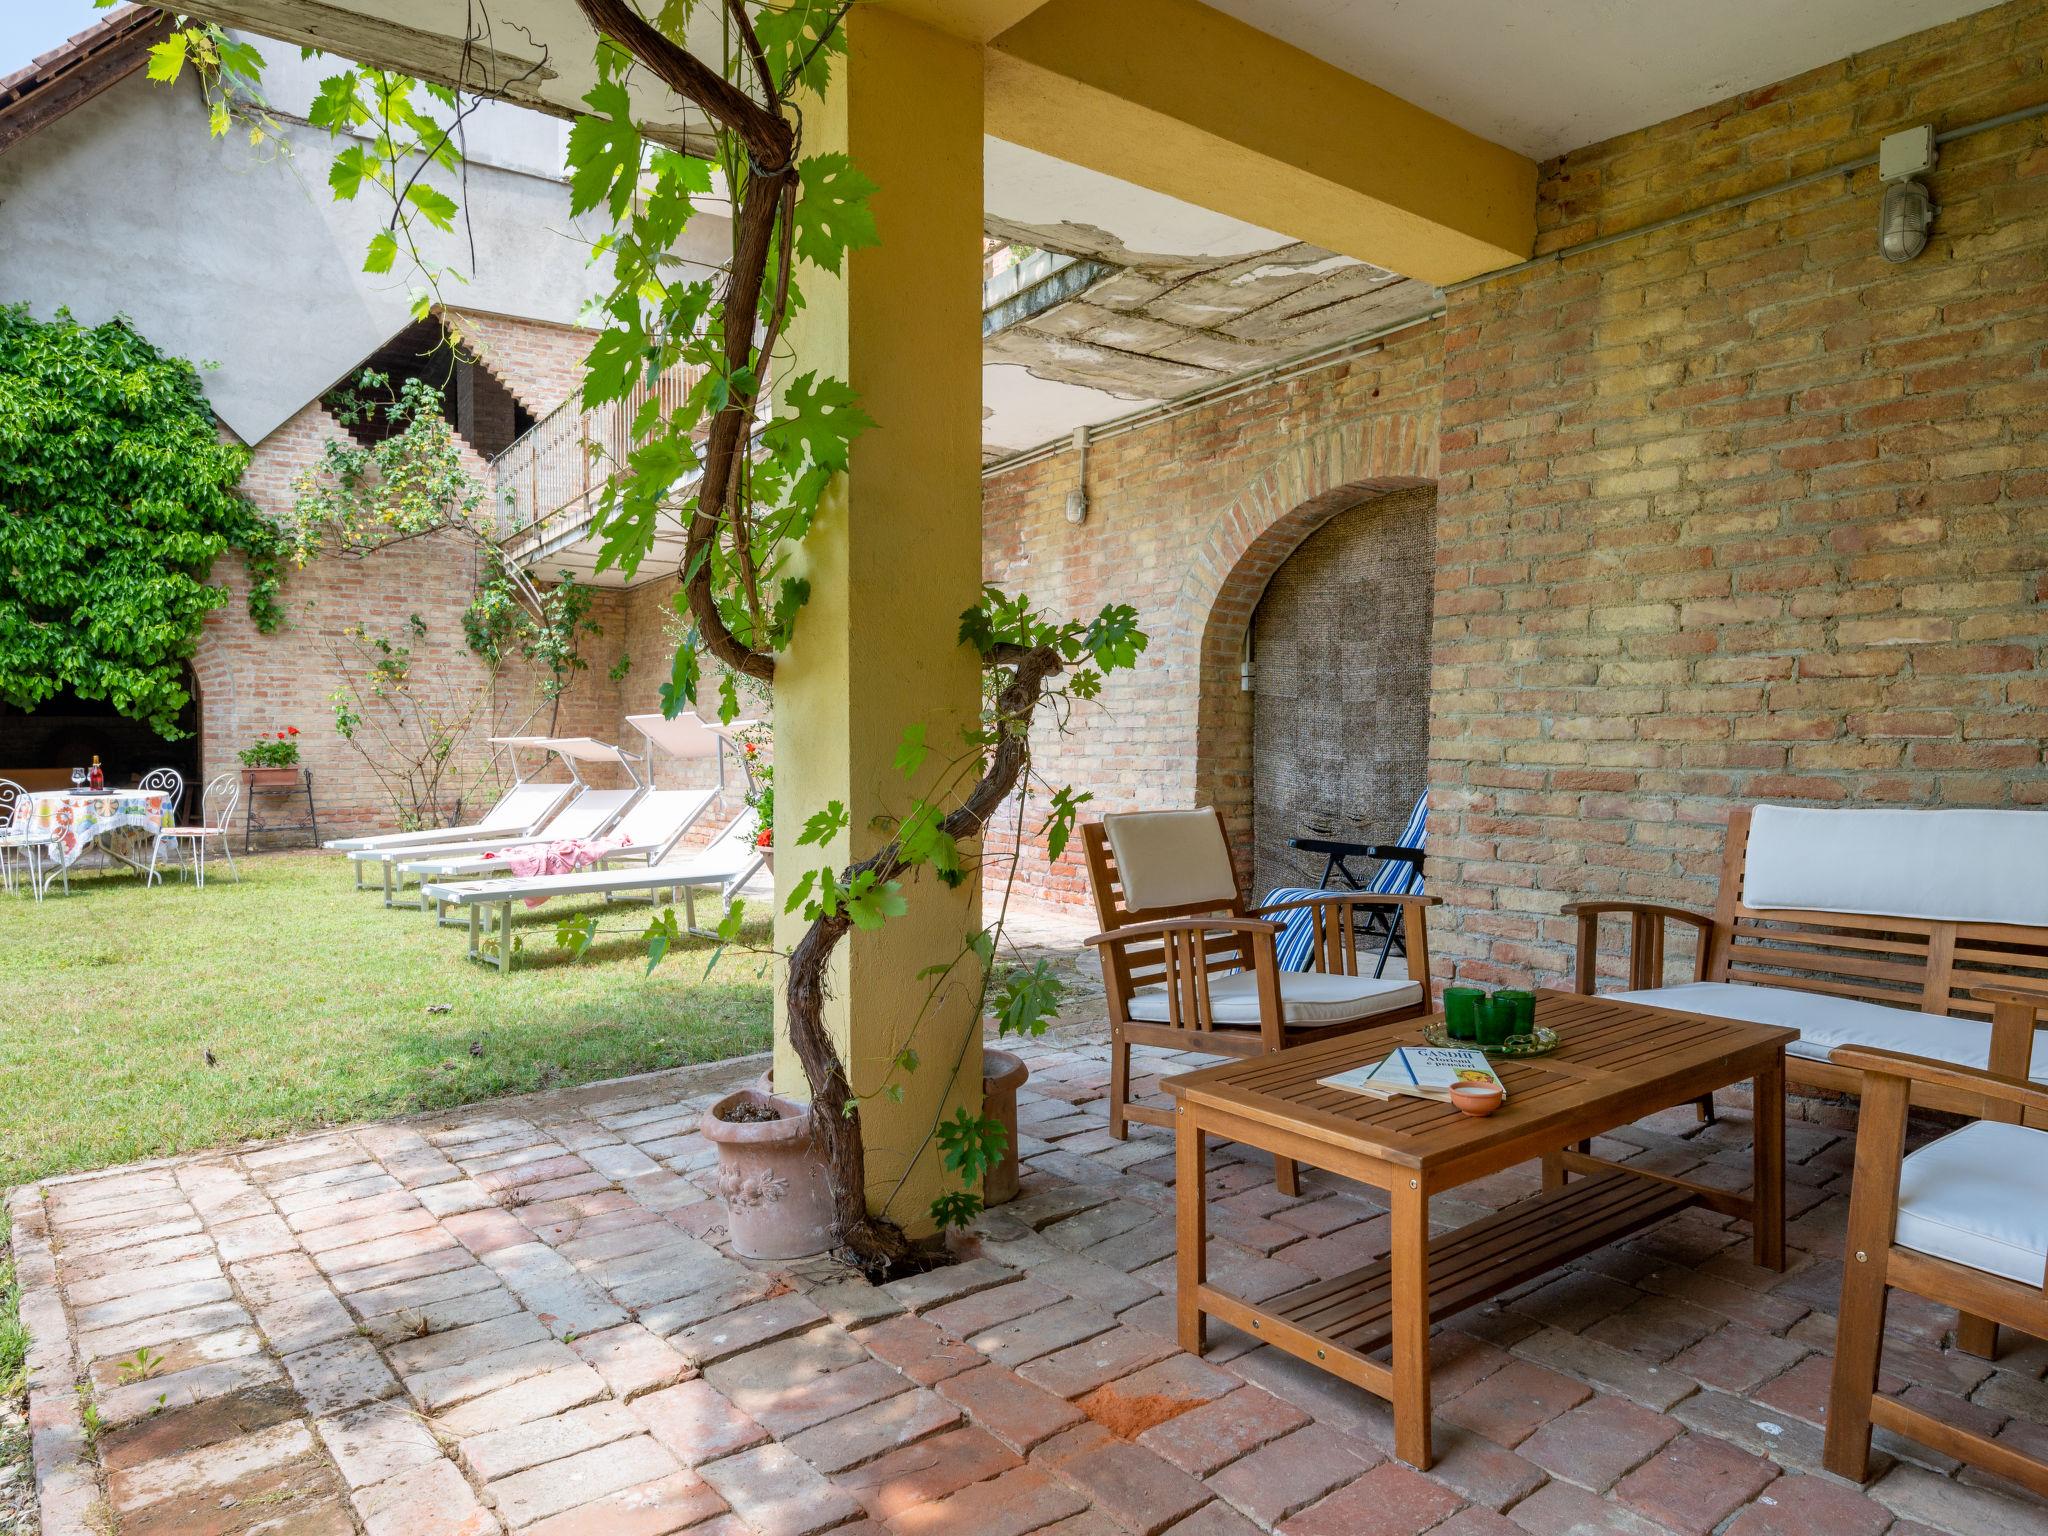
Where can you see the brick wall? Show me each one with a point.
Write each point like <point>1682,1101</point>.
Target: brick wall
<point>1728,512</point>
<point>541,364</point>
<point>251,683</point>
<point>1187,521</point>
<point>1739,511</point>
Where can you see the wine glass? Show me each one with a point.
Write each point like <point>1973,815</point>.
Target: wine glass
<point>78,778</point>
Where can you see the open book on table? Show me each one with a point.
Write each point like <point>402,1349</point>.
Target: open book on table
<point>1424,1071</point>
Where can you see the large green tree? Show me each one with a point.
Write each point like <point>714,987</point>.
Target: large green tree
<point>116,497</point>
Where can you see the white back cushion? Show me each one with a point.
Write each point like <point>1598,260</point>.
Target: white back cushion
<point>1170,859</point>
<point>1952,866</point>
<point>590,812</point>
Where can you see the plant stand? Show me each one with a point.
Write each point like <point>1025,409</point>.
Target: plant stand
<point>274,780</point>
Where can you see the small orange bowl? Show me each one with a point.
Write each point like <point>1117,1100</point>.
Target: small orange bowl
<point>1478,1100</point>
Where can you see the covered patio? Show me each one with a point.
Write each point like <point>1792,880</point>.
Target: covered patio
<point>1612,454</point>
<point>526,1317</point>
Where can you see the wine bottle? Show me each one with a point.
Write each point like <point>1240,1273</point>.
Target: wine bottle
<point>96,779</point>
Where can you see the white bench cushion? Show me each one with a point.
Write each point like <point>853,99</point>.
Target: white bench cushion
<point>1825,1022</point>
<point>1955,866</point>
<point>1308,999</point>
<point>1979,1196</point>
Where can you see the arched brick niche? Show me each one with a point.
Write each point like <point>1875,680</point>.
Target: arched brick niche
<point>1187,518</point>
<point>1339,659</point>
<point>1226,576</point>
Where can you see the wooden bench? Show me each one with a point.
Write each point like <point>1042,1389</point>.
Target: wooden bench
<point>1924,932</point>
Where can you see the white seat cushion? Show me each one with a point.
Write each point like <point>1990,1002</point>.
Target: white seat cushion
<point>1308,999</point>
<point>1979,1196</point>
<point>1825,1022</point>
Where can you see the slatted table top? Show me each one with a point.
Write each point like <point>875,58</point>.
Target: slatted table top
<point>1613,1057</point>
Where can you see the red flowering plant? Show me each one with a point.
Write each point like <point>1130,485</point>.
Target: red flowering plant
<point>753,745</point>
<point>279,751</point>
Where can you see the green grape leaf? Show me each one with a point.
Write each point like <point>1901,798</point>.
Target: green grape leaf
<point>604,152</point>
<point>167,58</point>
<point>832,213</point>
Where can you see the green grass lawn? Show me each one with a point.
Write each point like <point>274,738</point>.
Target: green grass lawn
<point>315,1001</point>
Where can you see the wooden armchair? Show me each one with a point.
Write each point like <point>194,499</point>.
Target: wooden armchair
<point>1962,1221</point>
<point>1188,966</point>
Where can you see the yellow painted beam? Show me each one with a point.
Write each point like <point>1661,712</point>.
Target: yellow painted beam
<point>1178,97</point>
<point>975,20</point>
<point>893,559</point>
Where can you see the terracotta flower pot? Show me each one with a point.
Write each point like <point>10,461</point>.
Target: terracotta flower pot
<point>1002,1074</point>
<point>778,1197</point>
<point>270,776</point>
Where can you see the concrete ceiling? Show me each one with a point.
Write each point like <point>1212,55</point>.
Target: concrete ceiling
<point>1546,76</point>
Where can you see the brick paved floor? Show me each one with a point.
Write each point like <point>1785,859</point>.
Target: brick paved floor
<point>519,1317</point>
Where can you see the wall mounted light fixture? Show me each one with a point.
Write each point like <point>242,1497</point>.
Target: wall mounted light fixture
<point>1907,211</point>
<point>1077,498</point>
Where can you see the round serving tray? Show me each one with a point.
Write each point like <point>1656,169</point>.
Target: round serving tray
<point>1541,1042</point>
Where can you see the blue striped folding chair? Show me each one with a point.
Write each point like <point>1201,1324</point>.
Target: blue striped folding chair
<point>1399,874</point>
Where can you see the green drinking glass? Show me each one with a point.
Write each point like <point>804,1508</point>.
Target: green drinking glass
<point>1461,1012</point>
<point>1521,1008</point>
<point>1496,1020</point>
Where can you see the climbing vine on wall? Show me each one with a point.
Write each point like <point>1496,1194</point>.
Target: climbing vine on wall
<point>117,495</point>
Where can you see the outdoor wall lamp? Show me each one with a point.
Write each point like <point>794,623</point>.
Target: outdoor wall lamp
<point>1077,498</point>
<point>1907,210</point>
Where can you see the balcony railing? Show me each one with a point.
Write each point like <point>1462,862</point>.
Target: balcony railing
<point>556,465</point>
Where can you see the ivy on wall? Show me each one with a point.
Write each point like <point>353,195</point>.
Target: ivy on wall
<point>116,497</point>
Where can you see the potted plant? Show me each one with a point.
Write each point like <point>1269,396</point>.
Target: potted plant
<point>777,1189</point>
<point>272,760</point>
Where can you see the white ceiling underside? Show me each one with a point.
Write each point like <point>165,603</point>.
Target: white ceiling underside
<point>1546,76</point>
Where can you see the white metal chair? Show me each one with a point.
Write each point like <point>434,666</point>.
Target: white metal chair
<point>216,819</point>
<point>171,782</point>
<point>16,840</point>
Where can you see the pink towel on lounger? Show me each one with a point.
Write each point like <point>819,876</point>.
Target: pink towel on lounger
<point>562,858</point>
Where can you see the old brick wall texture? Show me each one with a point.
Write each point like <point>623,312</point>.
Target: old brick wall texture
<point>541,364</point>
<point>1728,512</point>
<point>251,683</point>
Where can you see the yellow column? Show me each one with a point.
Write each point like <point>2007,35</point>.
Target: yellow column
<point>894,557</point>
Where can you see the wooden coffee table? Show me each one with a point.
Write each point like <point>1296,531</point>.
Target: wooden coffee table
<point>1618,1062</point>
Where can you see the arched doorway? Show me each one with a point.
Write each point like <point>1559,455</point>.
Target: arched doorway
<point>1337,664</point>
<point>1229,577</point>
<point>40,747</point>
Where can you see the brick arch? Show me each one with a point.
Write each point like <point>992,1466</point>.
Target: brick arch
<point>1229,571</point>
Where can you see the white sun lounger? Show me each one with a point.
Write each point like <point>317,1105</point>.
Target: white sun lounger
<point>518,813</point>
<point>648,833</point>
<point>589,815</point>
<point>522,811</point>
<point>728,862</point>
<point>690,735</point>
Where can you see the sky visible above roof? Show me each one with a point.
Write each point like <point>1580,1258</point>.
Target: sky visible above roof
<point>30,27</point>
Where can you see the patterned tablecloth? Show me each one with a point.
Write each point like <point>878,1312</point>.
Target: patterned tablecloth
<point>69,821</point>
